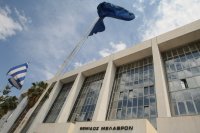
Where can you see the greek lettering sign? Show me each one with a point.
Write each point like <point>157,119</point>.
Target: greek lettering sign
<point>106,128</point>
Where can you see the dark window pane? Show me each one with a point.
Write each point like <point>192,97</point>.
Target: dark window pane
<point>175,108</point>
<point>178,67</point>
<point>196,54</point>
<point>197,103</point>
<point>121,95</point>
<point>146,101</point>
<point>134,112</point>
<point>92,108</point>
<point>119,111</point>
<point>153,111</point>
<point>146,91</point>
<point>120,104</point>
<point>130,95</point>
<point>190,107</point>
<point>172,68</point>
<point>124,103</point>
<point>83,109</point>
<point>135,93</point>
<point>129,102</point>
<point>129,115</point>
<point>81,117</point>
<point>134,102</point>
<point>140,112</point>
<point>152,90</point>
<point>152,100</point>
<point>140,101</point>
<point>140,92</point>
<point>123,113</point>
<point>125,95</point>
<point>146,111</point>
<point>181,108</point>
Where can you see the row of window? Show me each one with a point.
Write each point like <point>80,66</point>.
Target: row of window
<point>186,102</point>
<point>136,92</point>
<point>58,103</point>
<point>183,71</point>
<point>142,64</point>
<point>190,50</point>
<point>86,102</point>
<point>133,94</point>
<point>195,71</point>
<point>184,83</point>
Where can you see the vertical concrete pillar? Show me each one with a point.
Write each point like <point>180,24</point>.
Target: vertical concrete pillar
<point>163,107</point>
<point>105,93</point>
<point>70,101</point>
<point>45,108</point>
<point>29,113</point>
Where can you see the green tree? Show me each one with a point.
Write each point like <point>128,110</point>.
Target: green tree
<point>6,91</point>
<point>7,102</point>
<point>35,92</point>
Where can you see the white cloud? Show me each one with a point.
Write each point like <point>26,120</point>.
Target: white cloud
<point>171,14</point>
<point>48,74</point>
<point>45,71</point>
<point>79,64</point>
<point>9,26</point>
<point>23,20</point>
<point>139,6</point>
<point>151,2</point>
<point>115,48</point>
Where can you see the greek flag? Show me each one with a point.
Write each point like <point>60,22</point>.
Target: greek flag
<point>17,74</point>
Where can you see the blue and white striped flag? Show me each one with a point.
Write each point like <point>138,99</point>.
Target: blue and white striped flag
<point>18,74</point>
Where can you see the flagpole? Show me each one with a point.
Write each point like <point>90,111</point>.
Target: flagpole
<point>61,69</point>
<point>76,49</point>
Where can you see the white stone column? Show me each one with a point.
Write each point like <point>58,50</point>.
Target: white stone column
<point>105,93</point>
<point>29,113</point>
<point>71,98</point>
<point>163,107</point>
<point>45,107</point>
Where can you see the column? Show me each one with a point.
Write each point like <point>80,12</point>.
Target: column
<point>29,113</point>
<point>163,107</point>
<point>71,98</point>
<point>45,107</point>
<point>105,93</point>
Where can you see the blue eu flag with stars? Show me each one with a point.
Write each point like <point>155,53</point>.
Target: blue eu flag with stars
<point>105,9</point>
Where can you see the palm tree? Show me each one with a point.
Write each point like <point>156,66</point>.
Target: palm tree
<point>6,91</point>
<point>35,92</point>
<point>33,95</point>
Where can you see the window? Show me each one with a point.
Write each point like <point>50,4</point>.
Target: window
<point>182,109</point>
<point>58,103</point>
<point>130,95</point>
<point>119,112</point>
<point>135,97</point>
<point>184,84</point>
<point>184,88</point>
<point>121,95</point>
<point>85,104</point>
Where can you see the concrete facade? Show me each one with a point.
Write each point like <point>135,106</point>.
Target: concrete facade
<point>166,123</point>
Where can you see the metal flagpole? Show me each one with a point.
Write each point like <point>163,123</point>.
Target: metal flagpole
<point>60,70</point>
<point>76,49</point>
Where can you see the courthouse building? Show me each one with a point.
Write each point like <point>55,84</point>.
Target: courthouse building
<point>152,87</point>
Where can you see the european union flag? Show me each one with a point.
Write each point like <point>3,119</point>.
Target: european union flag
<point>109,10</point>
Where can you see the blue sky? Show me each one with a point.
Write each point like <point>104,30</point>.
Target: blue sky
<point>44,32</point>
